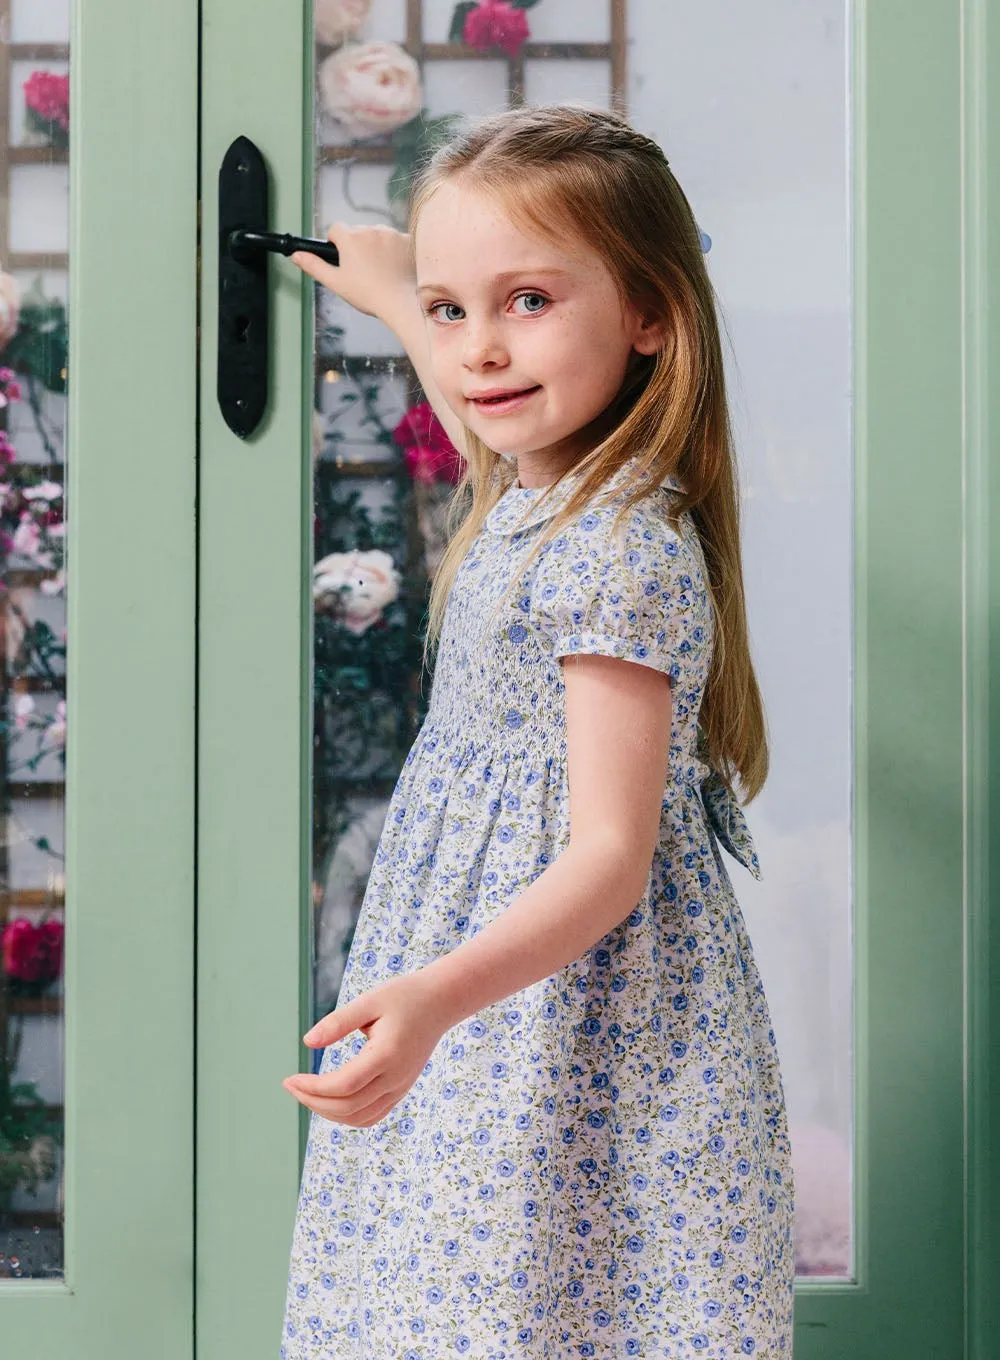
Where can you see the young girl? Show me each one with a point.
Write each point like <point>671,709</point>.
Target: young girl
<point>561,1130</point>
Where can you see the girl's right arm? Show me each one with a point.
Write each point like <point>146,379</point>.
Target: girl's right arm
<point>375,276</point>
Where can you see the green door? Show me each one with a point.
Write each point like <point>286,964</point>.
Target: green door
<point>232,736</point>
<point>876,307</point>
<point>836,156</point>
<point>98,228</point>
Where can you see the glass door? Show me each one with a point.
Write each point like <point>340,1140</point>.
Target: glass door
<point>793,134</point>
<point>97,482</point>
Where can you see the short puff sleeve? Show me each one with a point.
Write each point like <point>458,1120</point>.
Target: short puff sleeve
<point>628,594</point>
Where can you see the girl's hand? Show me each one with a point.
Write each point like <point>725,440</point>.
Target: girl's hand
<point>403,1025</point>
<point>374,274</point>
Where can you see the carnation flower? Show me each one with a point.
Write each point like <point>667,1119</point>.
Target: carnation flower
<point>496,23</point>
<point>336,20</point>
<point>370,87</point>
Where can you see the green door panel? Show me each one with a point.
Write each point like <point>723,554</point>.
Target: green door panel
<point>909,738</point>
<point>253,748</point>
<point>130,692</point>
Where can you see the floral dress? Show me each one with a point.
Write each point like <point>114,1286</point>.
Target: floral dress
<point>597,1165</point>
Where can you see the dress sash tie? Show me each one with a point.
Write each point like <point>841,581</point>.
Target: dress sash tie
<point>725,817</point>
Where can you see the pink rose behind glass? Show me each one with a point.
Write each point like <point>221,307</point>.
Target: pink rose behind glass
<point>47,95</point>
<point>429,453</point>
<point>370,87</point>
<point>336,20</point>
<point>32,953</point>
<point>495,23</point>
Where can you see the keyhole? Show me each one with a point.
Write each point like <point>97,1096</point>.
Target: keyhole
<point>241,327</point>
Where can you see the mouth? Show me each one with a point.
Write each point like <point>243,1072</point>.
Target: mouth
<point>501,400</point>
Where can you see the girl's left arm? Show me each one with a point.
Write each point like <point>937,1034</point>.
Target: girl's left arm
<point>618,719</point>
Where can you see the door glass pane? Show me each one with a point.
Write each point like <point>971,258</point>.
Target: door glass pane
<point>34,227</point>
<point>762,153</point>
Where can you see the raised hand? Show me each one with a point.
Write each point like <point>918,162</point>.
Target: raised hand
<point>375,273</point>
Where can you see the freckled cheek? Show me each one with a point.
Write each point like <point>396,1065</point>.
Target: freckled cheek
<point>604,366</point>
<point>446,364</point>
<point>564,360</point>
<point>547,354</point>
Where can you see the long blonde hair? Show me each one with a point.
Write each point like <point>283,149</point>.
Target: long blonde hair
<point>573,170</point>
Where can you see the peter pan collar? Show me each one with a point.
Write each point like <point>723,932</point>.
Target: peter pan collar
<point>513,512</point>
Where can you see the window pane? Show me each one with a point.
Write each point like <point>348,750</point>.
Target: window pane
<point>762,151</point>
<point>33,291</point>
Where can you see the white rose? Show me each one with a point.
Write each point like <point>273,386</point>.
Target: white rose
<point>336,20</point>
<point>27,536</point>
<point>57,727</point>
<point>355,586</point>
<point>24,707</point>
<point>46,491</point>
<point>10,308</point>
<point>54,585</point>
<point>370,87</point>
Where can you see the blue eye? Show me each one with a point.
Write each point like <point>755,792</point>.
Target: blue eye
<point>533,302</point>
<point>450,310</point>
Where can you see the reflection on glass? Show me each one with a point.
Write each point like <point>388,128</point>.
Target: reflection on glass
<point>33,291</point>
<point>762,158</point>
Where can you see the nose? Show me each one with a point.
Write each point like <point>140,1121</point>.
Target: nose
<point>483,345</point>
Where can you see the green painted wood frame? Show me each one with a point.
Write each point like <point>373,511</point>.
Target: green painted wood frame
<point>926,759</point>
<point>131,699</point>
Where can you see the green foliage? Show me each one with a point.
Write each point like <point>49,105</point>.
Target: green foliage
<point>54,132</point>
<point>415,142</point>
<point>369,693</point>
<point>39,348</point>
<point>28,1132</point>
<point>39,651</point>
<point>462,12</point>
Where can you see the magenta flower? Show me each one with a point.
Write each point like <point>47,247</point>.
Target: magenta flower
<point>496,23</point>
<point>32,953</point>
<point>47,96</point>
<point>429,454</point>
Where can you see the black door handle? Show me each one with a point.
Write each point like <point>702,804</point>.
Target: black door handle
<point>244,302</point>
<point>245,245</point>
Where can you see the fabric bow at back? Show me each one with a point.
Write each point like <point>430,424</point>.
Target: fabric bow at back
<point>725,817</point>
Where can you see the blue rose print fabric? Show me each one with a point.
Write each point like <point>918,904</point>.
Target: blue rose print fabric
<point>597,1165</point>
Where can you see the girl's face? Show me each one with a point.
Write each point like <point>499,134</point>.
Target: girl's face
<point>529,339</point>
